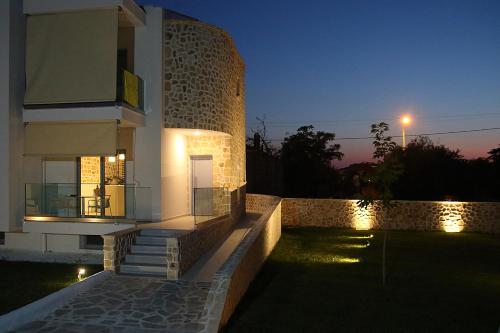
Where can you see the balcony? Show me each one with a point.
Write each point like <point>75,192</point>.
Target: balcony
<point>128,107</point>
<point>58,202</point>
<point>79,67</point>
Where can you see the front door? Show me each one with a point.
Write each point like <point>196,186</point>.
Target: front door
<point>201,185</point>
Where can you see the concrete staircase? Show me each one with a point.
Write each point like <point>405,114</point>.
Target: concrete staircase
<point>148,256</point>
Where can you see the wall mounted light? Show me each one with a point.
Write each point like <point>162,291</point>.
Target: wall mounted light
<point>111,159</point>
<point>121,157</point>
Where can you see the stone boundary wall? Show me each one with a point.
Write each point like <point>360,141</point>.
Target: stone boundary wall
<point>260,203</point>
<point>447,216</point>
<point>116,246</point>
<point>233,279</point>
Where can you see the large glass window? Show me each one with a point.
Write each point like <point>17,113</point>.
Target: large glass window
<point>102,185</point>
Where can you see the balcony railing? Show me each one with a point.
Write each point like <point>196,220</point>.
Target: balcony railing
<point>130,90</point>
<point>71,200</point>
<point>209,203</point>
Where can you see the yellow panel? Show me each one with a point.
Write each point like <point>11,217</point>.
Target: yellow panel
<point>131,87</point>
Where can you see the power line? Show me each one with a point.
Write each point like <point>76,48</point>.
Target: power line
<point>414,135</point>
<point>292,123</point>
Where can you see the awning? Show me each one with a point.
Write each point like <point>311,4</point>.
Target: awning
<point>71,57</point>
<point>89,139</point>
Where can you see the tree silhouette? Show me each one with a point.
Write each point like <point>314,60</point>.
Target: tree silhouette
<point>387,170</point>
<point>307,158</point>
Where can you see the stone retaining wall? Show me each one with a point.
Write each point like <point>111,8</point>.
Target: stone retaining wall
<point>260,203</point>
<point>195,244</point>
<point>116,246</point>
<point>233,279</point>
<point>405,215</point>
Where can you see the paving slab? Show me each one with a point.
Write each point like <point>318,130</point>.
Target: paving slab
<point>130,304</point>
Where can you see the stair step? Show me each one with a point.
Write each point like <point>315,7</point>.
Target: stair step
<point>143,269</point>
<point>148,249</point>
<point>150,240</point>
<point>145,259</point>
<point>160,233</point>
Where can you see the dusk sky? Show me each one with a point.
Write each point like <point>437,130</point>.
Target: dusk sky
<point>343,65</point>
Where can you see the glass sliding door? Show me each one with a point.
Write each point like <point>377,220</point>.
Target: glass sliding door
<point>91,186</point>
<point>102,186</point>
<point>114,185</point>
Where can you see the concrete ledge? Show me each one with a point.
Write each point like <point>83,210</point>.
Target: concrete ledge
<point>41,308</point>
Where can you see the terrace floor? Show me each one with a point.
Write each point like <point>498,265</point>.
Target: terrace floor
<point>187,222</point>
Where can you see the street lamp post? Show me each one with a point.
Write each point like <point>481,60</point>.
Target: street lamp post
<point>405,121</point>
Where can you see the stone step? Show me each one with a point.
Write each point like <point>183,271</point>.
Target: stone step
<point>159,233</point>
<point>148,249</point>
<point>150,240</point>
<point>143,269</point>
<point>145,259</point>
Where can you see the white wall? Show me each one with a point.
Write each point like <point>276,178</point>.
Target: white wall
<point>12,40</point>
<point>175,171</point>
<point>148,146</point>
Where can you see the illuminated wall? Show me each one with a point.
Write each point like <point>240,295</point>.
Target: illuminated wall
<point>405,215</point>
<point>205,86</point>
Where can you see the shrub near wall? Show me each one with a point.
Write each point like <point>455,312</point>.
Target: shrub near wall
<point>405,215</point>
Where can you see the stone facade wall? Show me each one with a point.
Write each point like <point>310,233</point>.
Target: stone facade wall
<point>204,88</point>
<point>90,170</point>
<point>405,215</point>
<point>116,247</point>
<point>233,279</point>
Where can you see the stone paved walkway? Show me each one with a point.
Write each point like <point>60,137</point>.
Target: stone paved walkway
<point>130,304</point>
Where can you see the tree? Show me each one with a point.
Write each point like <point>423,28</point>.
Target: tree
<point>432,172</point>
<point>307,158</point>
<point>494,155</point>
<point>264,170</point>
<point>387,170</point>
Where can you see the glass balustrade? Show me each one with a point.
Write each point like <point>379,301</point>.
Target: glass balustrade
<point>209,203</point>
<point>88,201</point>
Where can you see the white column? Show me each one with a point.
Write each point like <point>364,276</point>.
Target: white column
<point>148,146</point>
<point>12,40</point>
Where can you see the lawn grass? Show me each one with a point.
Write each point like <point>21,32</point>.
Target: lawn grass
<point>24,282</point>
<point>436,282</point>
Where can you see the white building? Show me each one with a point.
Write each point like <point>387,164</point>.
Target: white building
<point>112,115</point>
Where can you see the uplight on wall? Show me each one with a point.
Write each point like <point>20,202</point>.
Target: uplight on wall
<point>451,216</point>
<point>362,217</point>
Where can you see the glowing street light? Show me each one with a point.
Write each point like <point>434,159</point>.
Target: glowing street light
<point>405,121</point>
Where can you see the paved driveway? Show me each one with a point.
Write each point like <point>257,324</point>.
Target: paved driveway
<point>130,304</point>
